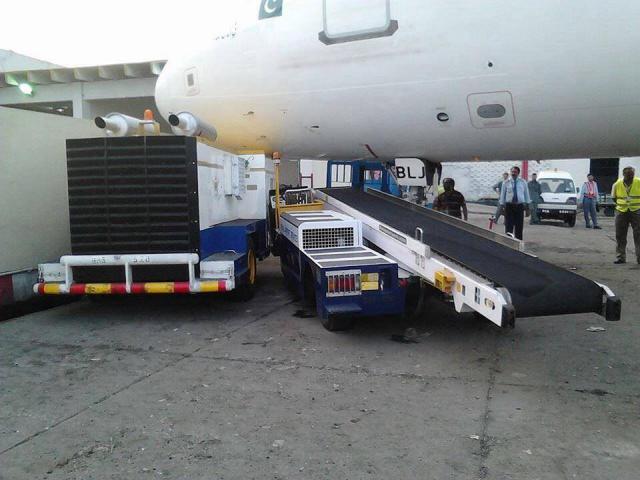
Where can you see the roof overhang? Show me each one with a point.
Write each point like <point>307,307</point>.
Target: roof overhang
<point>82,74</point>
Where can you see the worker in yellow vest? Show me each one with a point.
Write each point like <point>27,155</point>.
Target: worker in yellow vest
<point>626,194</point>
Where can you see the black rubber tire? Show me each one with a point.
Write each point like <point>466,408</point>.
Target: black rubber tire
<point>247,289</point>
<point>571,221</point>
<point>336,323</point>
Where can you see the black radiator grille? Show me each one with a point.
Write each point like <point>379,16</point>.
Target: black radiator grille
<point>133,195</point>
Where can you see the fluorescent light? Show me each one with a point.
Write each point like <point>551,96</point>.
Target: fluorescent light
<point>26,88</point>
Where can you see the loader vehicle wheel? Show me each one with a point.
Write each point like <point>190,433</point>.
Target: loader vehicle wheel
<point>337,323</point>
<point>247,289</point>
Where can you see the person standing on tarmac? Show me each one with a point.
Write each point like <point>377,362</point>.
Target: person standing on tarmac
<point>535,192</point>
<point>588,197</point>
<point>514,203</point>
<point>626,195</point>
<point>451,201</point>
<point>498,188</point>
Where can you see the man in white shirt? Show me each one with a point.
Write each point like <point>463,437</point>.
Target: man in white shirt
<point>514,202</point>
<point>588,197</point>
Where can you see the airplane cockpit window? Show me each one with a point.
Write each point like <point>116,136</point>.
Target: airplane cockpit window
<point>354,20</point>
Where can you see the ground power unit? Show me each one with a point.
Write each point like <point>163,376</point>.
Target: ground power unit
<point>161,214</point>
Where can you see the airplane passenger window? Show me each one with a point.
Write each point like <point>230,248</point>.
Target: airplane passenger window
<point>191,81</point>
<point>353,20</point>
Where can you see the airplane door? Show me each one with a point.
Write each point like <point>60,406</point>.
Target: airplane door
<point>353,20</point>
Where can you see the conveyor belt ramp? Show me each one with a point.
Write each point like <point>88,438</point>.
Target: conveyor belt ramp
<point>533,287</point>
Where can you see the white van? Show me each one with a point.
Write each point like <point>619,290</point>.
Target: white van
<point>559,197</point>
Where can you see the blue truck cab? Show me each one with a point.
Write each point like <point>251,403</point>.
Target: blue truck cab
<point>362,174</point>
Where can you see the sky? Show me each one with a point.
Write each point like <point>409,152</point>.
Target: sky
<point>90,32</point>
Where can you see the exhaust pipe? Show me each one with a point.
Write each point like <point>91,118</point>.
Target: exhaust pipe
<point>184,123</point>
<point>120,125</point>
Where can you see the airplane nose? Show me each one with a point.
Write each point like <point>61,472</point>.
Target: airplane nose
<point>164,94</point>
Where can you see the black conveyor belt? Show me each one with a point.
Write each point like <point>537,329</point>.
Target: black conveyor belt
<point>537,288</point>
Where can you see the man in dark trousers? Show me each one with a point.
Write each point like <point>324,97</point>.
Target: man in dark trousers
<point>626,194</point>
<point>514,202</point>
<point>497,188</point>
<point>535,193</point>
<point>451,201</point>
<point>588,197</point>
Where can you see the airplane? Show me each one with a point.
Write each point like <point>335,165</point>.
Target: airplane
<point>455,80</point>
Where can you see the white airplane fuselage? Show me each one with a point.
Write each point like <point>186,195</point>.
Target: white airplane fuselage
<point>440,80</point>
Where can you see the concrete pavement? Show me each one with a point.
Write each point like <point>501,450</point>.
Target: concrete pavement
<point>204,388</point>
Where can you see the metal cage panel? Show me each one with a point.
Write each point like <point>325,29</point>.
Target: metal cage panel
<point>133,195</point>
<point>328,237</point>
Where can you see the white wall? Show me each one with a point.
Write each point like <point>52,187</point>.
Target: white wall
<point>317,168</point>
<point>289,172</point>
<point>475,179</point>
<point>130,96</point>
<point>34,212</point>
<point>82,91</point>
<point>630,162</point>
<point>579,169</point>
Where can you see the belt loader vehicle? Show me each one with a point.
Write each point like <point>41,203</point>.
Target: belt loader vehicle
<point>160,214</point>
<point>353,252</point>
